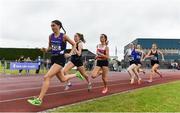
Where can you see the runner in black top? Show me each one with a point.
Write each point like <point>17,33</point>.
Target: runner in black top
<point>153,54</point>
<point>76,60</point>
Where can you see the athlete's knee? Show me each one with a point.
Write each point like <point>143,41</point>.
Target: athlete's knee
<point>152,70</point>
<point>61,80</point>
<point>64,71</point>
<point>46,77</point>
<point>93,76</point>
<point>129,69</point>
<point>64,79</point>
<point>104,77</point>
<point>155,70</point>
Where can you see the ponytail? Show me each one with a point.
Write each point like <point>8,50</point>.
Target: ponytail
<point>63,30</point>
<point>81,36</point>
<point>107,42</point>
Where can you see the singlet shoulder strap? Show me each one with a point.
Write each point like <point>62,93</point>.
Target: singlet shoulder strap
<point>77,45</point>
<point>151,52</point>
<point>156,51</point>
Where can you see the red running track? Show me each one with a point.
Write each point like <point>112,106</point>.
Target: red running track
<point>14,91</point>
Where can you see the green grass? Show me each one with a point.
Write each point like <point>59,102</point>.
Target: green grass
<point>159,98</point>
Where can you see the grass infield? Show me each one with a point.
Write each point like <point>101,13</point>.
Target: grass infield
<point>158,98</point>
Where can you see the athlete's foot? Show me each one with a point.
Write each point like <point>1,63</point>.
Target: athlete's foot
<point>105,90</point>
<point>35,101</point>
<point>144,72</point>
<point>78,74</point>
<point>132,81</point>
<point>150,81</point>
<point>68,85</point>
<point>139,81</point>
<point>89,86</point>
<point>160,75</point>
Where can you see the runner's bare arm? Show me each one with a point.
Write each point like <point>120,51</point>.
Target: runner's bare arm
<point>148,55</point>
<point>142,56</point>
<point>66,38</point>
<point>162,55</point>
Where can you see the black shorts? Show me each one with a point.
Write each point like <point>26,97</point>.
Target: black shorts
<point>135,62</point>
<point>59,59</point>
<point>138,62</point>
<point>154,62</point>
<point>77,60</point>
<point>101,63</point>
<point>132,62</point>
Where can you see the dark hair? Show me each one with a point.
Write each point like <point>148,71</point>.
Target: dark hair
<point>57,22</point>
<point>105,36</point>
<point>135,45</point>
<point>155,44</point>
<point>81,36</point>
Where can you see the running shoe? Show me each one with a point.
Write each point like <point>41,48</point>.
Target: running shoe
<point>78,74</point>
<point>35,101</point>
<point>160,75</point>
<point>105,90</point>
<point>150,81</point>
<point>68,85</point>
<point>144,72</point>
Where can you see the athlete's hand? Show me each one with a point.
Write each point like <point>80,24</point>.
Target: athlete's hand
<point>67,55</point>
<point>99,54</point>
<point>96,56</point>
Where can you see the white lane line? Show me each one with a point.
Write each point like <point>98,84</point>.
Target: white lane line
<point>9,100</point>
